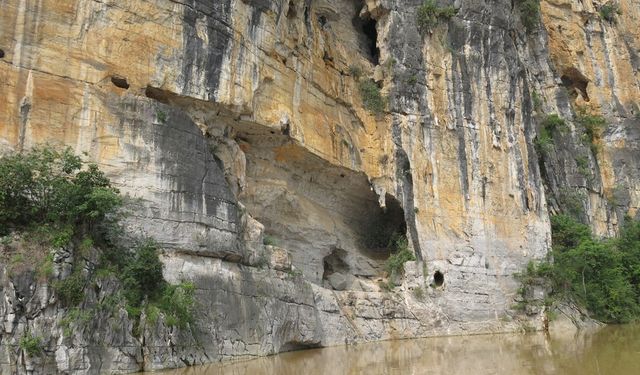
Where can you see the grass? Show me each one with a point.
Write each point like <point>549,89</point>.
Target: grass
<point>592,125</point>
<point>582,163</point>
<point>268,240</point>
<point>161,116</point>
<point>355,71</point>
<point>371,97</point>
<point>610,11</point>
<point>550,125</point>
<point>537,101</point>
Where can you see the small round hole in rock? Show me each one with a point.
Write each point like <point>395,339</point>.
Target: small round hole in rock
<point>120,82</point>
<point>438,279</point>
<point>1,53</point>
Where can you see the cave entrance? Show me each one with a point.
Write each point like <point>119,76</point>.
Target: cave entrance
<point>369,36</point>
<point>438,279</point>
<point>574,80</point>
<point>385,226</point>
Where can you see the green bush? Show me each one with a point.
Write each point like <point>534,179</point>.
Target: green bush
<point>57,189</point>
<point>70,290</point>
<point>142,274</point>
<point>593,126</point>
<point>59,200</point>
<point>355,71</point>
<point>601,275</point>
<point>429,14</point>
<point>554,122</point>
<point>583,166</point>
<point>537,101</point>
<point>176,303</point>
<point>371,97</point>
<point>529,13</point>
<point>610,11</point>
<point>31,344</point>
<point>549,125</point>
<point>145,289</point>
<point>269,240</point>
<point>572,202</point>
<point>395,264</point>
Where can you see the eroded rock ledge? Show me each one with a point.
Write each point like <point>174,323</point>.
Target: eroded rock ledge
<point>236,120</point>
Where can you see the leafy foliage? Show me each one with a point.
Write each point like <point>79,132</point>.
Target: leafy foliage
<point>530,13</point>
<point>602,275</point>
<point>70,290</point>
<point>549,125</point>
<point>593,126</point>
<point>429,14</point>
<point>44,187</point>
<point>61,200</point>
<point>610,11</point>
<point>371,97</point>
<point>31,344</point>
<point>401,255</point>
<point>355,71</point>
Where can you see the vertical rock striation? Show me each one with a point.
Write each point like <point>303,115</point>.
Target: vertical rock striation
<point>240,128</point>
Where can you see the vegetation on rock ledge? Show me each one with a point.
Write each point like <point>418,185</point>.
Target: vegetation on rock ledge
<point>429,14</point>
<point>603,275</point>
<point>530,13</point>
<point>52,199</point>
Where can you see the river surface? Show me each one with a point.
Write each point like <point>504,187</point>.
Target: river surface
<point>611,350</point>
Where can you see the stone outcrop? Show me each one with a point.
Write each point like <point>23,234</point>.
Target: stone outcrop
<point>239,128</point>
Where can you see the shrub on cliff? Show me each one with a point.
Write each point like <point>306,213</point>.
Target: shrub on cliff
<point>429,14</point>
<point>46,188</point>
<point>601,275</point>
<point>371,97</point>
<point>610,11</point>
<point>593,126</point>
<point>401,254</point>
<point>529,13</point>
<point>56,199</point>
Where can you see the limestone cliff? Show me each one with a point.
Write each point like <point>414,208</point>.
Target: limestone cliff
<point>240,127</point>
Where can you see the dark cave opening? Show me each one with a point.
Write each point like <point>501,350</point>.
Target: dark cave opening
<point>291,10</point>
<point>574,79</point>
<point>369,36</point>
<point>156,94</point>
<point>1,53</point>
<point>120,82</point>
<point>438,279</point>
<point>384,227</point>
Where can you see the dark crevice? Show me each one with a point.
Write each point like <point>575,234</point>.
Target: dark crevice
<point>1,53</point>
<point>322,20</point>
<point>573,79</point>
<point>438,279</point>
<point>294,345</point>
<point>291,11</point>
<point>157,94</point>
<point>367,27</point>
<point>120,82</point>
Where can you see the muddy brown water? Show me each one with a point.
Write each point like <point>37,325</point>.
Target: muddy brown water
<point>611,350</point>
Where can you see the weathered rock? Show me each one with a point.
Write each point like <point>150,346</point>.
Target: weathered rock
<point>232,120</point>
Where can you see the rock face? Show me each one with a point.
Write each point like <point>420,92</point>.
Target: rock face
<point>239,124</point>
